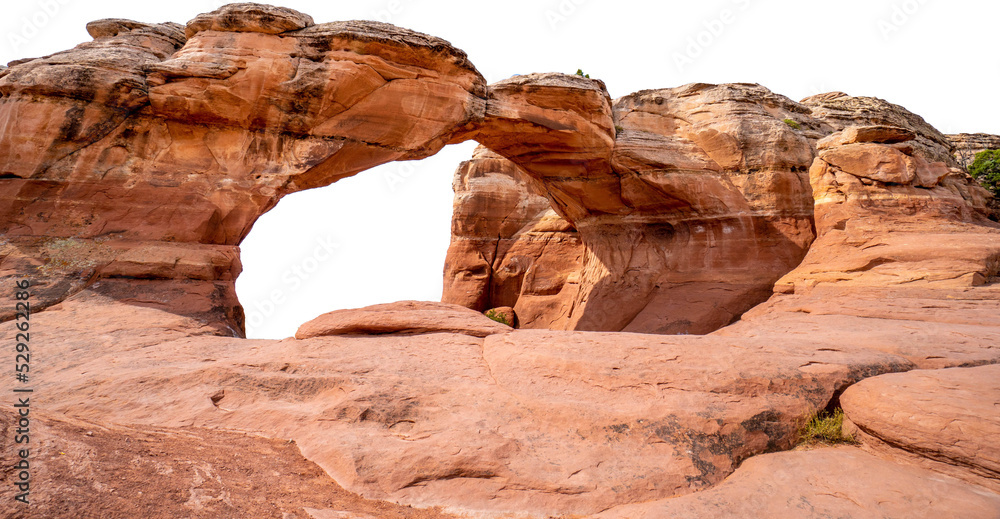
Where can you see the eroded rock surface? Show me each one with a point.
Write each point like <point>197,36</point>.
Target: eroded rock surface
<point>949,416</point>
<point>815,484</point>
<point>841,111</point>
<point>170,143</point>
<point>967,145</point>
<point>404,317</point>
<point>687,215</point>
<point>508,247</point>
<point>133,165</point>
<point>85,469</point>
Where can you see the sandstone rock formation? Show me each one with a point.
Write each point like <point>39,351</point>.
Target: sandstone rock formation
<point>945,417</point>
<point>669,213</point>
<point>840,111</point>
<point>87,469</point>
<point>838,482</point>
<point>967,145</point>
<point>404,317</point>
<point>508,247</point>
<point>131,167</point>
<point>156,145</point>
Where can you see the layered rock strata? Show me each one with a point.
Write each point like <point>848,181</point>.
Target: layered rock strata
<point>967,145</point>
<point>687,216</point>
<point>946,419</point>
<point>508,246</point>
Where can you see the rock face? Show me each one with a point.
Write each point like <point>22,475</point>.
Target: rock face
<point>967,145</point>
<point>713,202</point>
<point>508,247</point>
<point>948,416</point>
<point>163,473</point>
<point>536,421</point>
<point>404,317</point>
<point>685,219</point>
<point>131,166</point>
<point>840,111</point>
<point>156,145</point>
<point>834,482</point>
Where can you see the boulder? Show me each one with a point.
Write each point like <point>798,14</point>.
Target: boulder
<point>948,417</point>
<point>830,482</point>
<point>404,317</point>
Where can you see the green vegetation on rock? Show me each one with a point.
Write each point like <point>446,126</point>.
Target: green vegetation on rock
<point>498,317</point>
<point>825,428</point>
<point>986,169</point>
<point>793,124</point>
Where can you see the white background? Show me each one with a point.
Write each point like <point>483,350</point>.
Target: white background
<point>391,224</point>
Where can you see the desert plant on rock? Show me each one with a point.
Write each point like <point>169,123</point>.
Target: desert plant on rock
<point>825,428</point>
<point>499,317</point>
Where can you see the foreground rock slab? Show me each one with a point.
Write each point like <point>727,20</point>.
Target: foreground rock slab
<point>825,483</point>
<point>83,469</point>
<point>950,416</point>
<point>530,421</point>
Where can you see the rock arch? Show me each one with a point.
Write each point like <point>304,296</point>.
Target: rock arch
<point>162,144</point>
<point>902,273</point>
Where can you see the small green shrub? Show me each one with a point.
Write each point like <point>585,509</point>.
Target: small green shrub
<point>498,317</point>
<point>619,129</point>
<point>793,124</point>
<point>825,428</point>
<point>580,73</point>
<point>986,169</point>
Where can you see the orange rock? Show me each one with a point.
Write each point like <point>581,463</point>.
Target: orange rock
<point>873,162</point>
<point>404,317</point>
<point>815,484</point>
<point>149,137</point>
<point>132,166</point>
<point>508,247</point>
<point>248,17</point>
<point>946,417</point>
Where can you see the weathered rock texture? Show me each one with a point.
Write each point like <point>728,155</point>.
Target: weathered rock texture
<point>687,217</point>
<point>535,421</point>
<point>404,317</point>
<point>133,165</point>
<point>840,111</point>
<point>948,417</point>
<point>149,152</point>
<point>508,247</point>
<point>86,470</point>
<point>818,484</point>
<point>967,145</point>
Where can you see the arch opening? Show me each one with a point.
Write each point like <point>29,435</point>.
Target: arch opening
<point>380,236</point>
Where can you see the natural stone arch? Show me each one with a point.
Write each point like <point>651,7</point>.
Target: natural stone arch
<point>527,421</point>
<point>162,147</point>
